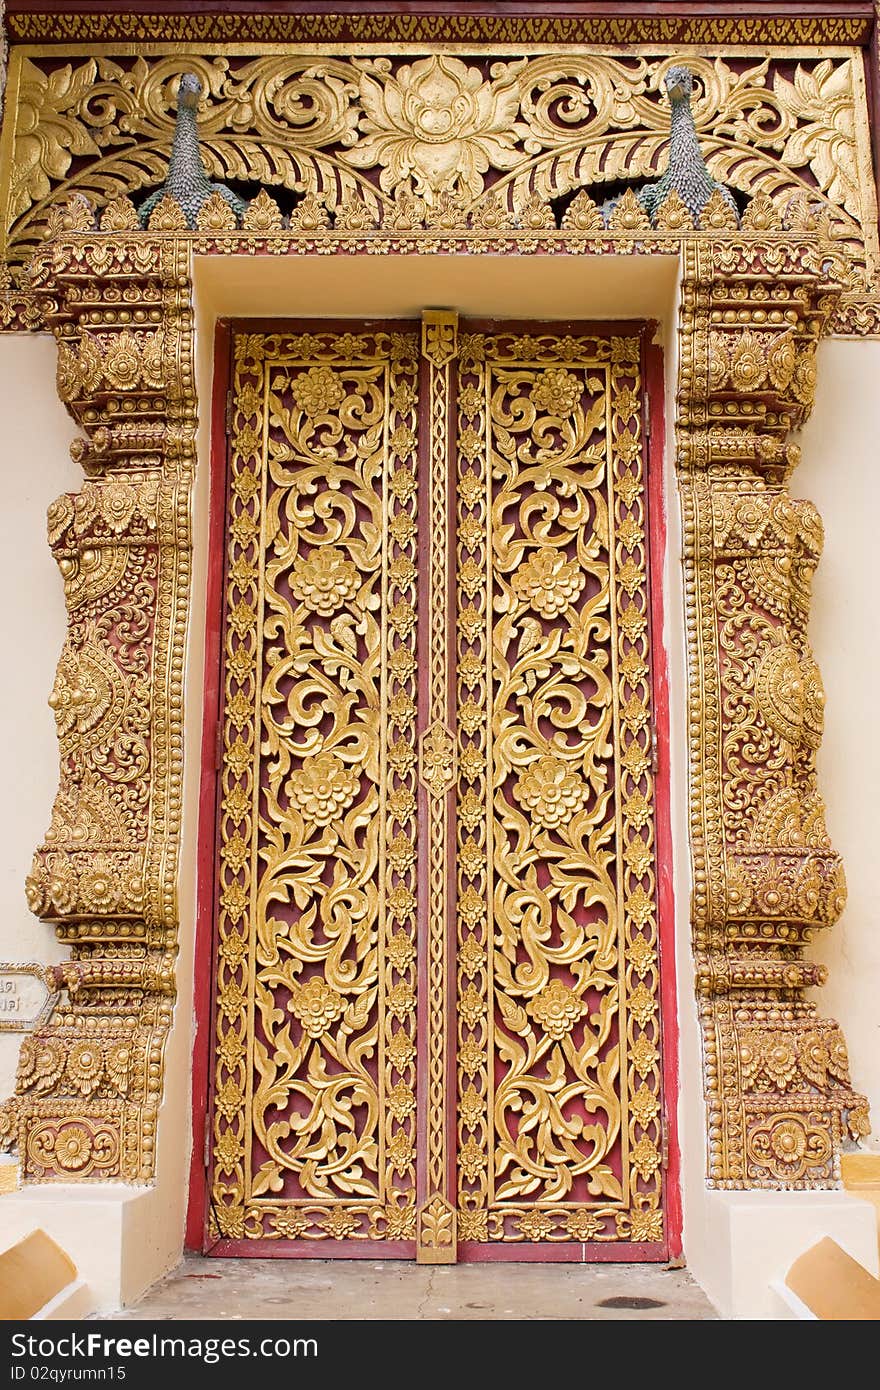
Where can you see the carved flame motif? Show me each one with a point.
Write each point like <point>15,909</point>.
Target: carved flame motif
<point>88,688</point>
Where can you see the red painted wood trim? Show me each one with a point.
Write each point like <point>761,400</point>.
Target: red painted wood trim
<point>423,701</point>
<point>566,1252</point>
<point>314,1249</point>
<point>871,60</point>
<point>654,384</point>
<point>203,993</point>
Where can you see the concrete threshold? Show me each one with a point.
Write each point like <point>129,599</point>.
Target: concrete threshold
<point>208,1289</point>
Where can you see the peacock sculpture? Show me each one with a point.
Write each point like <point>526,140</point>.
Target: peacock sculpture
<point>187,182</point>
<point>686,173</point>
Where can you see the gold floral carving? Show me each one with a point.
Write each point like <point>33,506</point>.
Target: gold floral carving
<point>90,1080</point>
<point>446,142</point>
<point>314,1130</point>
<point>765,876</point>
<point>437,759</point>
<point>559,1100</point>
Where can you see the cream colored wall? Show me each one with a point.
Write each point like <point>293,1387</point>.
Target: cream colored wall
<point>840,472</point>
<point>36,467</point>
<point>737,1244</point>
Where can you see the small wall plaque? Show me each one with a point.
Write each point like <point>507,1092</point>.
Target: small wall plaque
<point>24,998</point>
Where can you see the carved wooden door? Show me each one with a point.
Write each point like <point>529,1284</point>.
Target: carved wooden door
<point>436,1017</point>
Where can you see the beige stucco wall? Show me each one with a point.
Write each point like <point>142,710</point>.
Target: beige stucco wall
<point>141,1234</point>
<point>840,472</point>
<point>36,467</point>
<point>4,53</point>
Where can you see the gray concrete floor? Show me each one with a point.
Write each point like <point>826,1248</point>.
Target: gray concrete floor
<point>208,1289</point>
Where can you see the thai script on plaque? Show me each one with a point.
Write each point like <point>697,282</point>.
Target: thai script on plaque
<point>24,996</point>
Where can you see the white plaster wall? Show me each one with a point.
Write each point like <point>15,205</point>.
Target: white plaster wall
<point>840,472</point>
<point>35,466</point>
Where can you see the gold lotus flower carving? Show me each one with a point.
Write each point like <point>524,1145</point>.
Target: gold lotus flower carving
<point>325,580</point>
<point>317,1006</point>
<point>339,1224</point>
<point>556,392</point>
<point>84,691</point>
<point>438,123</point>
<point>318,391</point>
<point>646,1224</point>
<point>583,1225</point>
<point>400,951</point>
<point>73,1148</point>
<point>471,1160</point>
<point>550,791</point>
<point>548,582</point>
<point>535,1225</point>
<point>85,1067</point>
<point>789,1142</point>
<point>556,1009</point>
<point>322,788</point>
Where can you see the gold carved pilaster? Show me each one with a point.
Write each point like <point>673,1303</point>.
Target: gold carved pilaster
<point>90,1082</point>
<point>765,874</point>
<point>436,1232</point>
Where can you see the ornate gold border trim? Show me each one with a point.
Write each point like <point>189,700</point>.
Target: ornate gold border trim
<point>90,1082</point>
<point>787,129</point>
<point>764,873</point>
<point>437,1237</point>
<point>450,28</point>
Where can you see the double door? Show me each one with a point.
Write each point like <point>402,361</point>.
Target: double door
<point>436,1022</point>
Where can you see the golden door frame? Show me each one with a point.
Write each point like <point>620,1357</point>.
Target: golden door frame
<point>754,305</point>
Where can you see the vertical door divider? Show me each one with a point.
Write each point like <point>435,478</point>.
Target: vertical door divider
<point>436,1230</point>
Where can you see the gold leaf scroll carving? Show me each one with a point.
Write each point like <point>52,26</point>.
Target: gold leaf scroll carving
<point>314,1124</point>
<point>558,1047</point>
<point>778,1090</point>
<point>447,141</point>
